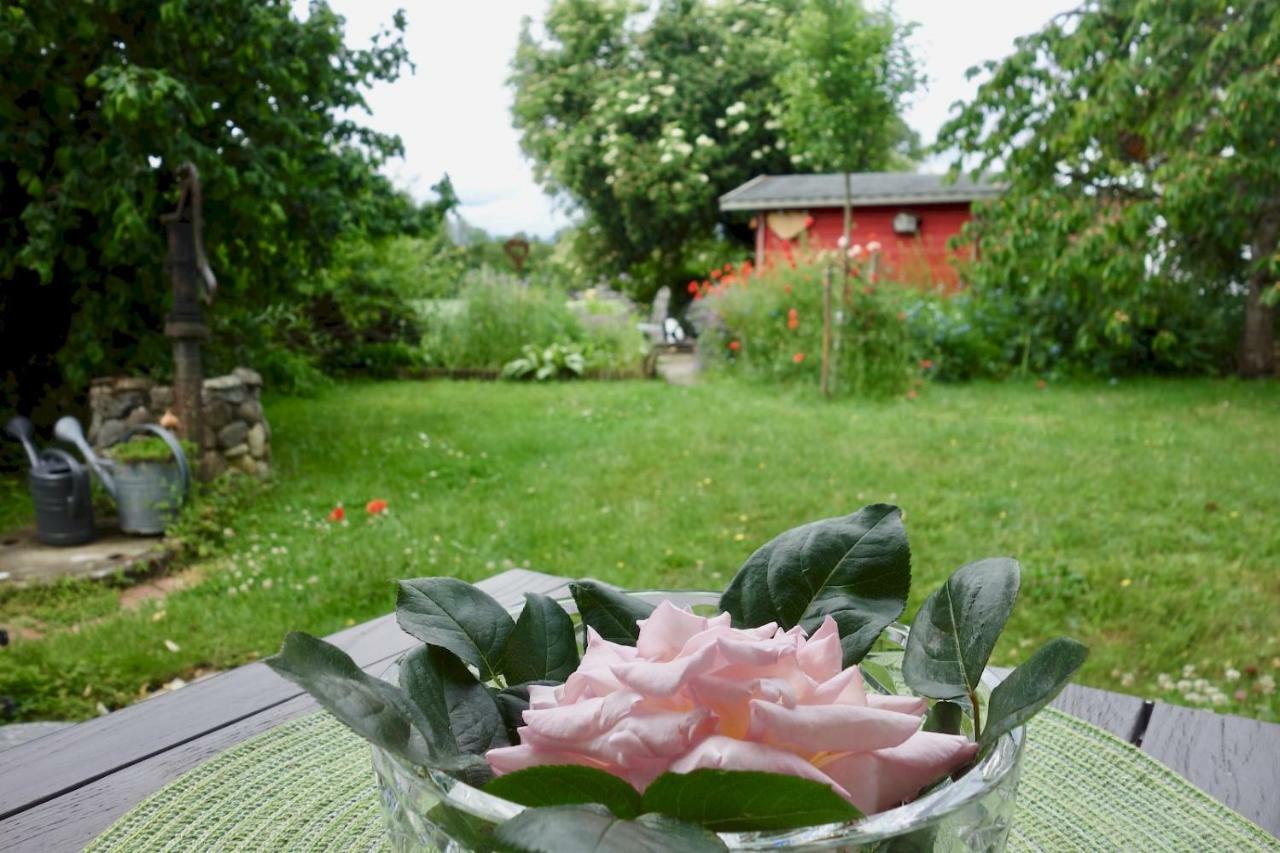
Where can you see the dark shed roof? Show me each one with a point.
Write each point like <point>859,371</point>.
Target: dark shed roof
<point>776,192</point>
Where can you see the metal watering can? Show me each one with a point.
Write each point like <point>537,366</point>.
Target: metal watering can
<point>148,493</point>
<point>59,490</point>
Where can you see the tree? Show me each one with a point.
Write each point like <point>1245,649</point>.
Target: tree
<point>97,109</point>
<point>1141,144</point>
<point>640,118</point>
<point>846,77</point>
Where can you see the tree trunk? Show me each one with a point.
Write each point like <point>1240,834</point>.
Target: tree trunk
<point>1257,357</point>
<point>847,231</point>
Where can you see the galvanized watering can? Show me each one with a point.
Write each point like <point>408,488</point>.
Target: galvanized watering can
<point>149,493</point>
<point>59,490</point>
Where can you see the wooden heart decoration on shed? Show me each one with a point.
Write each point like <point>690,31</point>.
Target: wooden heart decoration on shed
<point>787,226</point>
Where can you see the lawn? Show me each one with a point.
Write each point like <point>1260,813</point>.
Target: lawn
<point>1143,514</point>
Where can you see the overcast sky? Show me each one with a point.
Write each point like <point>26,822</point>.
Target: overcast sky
<point>454,112</point>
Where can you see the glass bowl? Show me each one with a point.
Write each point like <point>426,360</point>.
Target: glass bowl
<point>429,810</point>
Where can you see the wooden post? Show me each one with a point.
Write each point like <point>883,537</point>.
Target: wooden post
<point>826,332</point>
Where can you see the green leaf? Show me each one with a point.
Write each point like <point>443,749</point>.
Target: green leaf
<point>592,829</point>
<point>957,627</point>
<point>454,614</point>
<point>542,646</point>
<point>944,718</point>
<point>512,702</point>
<point>879,677</point>
<point>567,784</point>
<point>379,712</point>
<point>463,715</point>
<point>855,569</point>
<point>611,613</point>
<point>743,800</point>
<point>1031,686</point>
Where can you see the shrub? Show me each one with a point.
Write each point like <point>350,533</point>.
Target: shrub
<point>769,325</point>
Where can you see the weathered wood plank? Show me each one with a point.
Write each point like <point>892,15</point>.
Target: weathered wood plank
<point>1232,759</point>
<point>67,759</point>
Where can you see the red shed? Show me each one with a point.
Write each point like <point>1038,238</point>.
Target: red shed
<point>911,216</point>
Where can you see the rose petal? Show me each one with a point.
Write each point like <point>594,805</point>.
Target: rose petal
<point>885,778</point>
<point>914,705</point>
<point>667,629</point>
<point>820,656</point>
<point>581,720</point>
<point>545,695</point>
<point>829,728</point>
<point>664,679</point>
<point>726,753</point>
<point>844,688</point>
<point>508,759</point>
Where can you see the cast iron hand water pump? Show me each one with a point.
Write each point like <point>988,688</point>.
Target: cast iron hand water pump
<point>193,283</point>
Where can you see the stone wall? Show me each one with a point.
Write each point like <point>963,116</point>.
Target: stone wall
<point>236,433</point>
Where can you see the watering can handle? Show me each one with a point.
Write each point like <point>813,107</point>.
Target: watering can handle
<point>78,479</point>
<point>172,440</point>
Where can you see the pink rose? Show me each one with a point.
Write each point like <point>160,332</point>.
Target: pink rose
<point>695,693</point>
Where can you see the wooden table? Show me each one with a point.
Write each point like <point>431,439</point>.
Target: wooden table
<point>61,790</point>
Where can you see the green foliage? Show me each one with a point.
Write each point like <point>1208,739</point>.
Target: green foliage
<point>754,332</point>
<point>1140,222</point>
<point>97,110</point>
<point>497,320</point>
<point>558,361</point>
<point>144,448</point>
<point>1031,686</point>
<point>855,569</point>
<point>567,784</point>
<point>613,615</point>
<point>746,801</point>
<point>457,616</point>
<point>844,84</point>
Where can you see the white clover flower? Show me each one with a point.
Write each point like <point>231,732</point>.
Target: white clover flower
<point>704,140</point>
<point>772,124</point>
<point>1194,698</point>
<point>720,123</point>
<point>1266,685</point>
<point>666,157</point>
<point>609,180</point>
<point>1188,671</point>
<point>1164,681</point>
<point>735,108</point>
<point>782,144</point>
<point>740,127</point>
<point>1126,680</point>
<point>677,187</point>
<point>683,148</point>
<point>702,177</point>
<point>1231,674</point>
<point>634,108</point>
<point>665,90</point>
<point>677,132</point>
<point>756,155</point>
<point>655,75</point>
<point>1183,685</point>
<point>702,48</point>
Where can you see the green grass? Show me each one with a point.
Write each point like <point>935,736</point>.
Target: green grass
<point>1143,514</point>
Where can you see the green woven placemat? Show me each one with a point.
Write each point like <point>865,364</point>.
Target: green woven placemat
<point>308,785</point>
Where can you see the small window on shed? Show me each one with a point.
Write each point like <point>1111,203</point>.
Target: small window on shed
<point>906,223</point>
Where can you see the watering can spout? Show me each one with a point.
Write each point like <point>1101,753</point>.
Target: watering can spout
<point>20,428</point>
<point>68,429</point>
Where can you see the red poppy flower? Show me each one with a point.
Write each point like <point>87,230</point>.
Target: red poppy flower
<point>728,267</point>
<point>693,287</point>
<point>1041,384</point>
<point>808,222</point>
<point>793,319</point>
<point>798,357</point>
<point>715,274</point>
<point>337,514</point>
<point>926,363</point>
<point>912,394</point>
<point>734,346</point>
<point>375,506</point>
<point>786,288</point>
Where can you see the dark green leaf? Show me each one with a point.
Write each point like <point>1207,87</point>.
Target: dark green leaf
<point>567,784</point>
<point>1031,686</point>
<point>855,569</point>
<point>592,829</point>
<point>379,712</point>
<point>742,800</point>
<point>957,627</point>
<point>613,614</point>
<point>463,715</point>
<point>944,718</point>
<point>454,614</point>
<point>542,646</point>
<point>512,703</point>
